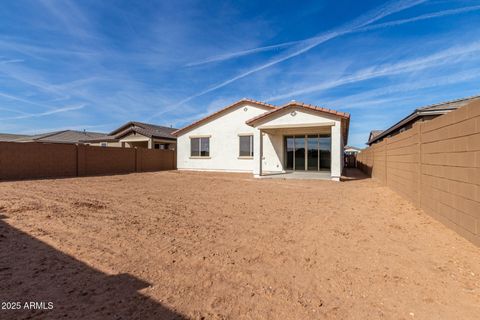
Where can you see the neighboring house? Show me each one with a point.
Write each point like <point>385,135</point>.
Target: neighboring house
<point>352,150</point>
<point>374,134</point>
<point>64,136</point>
<point>252,136</point>
<point>420,114</point>
<point>137,134</point>
<point>9,137</point>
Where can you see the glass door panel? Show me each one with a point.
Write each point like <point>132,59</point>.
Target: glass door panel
<point>325,151</point>
<point>299,152</point>
<point>312,153</point>
<point>289,147</point>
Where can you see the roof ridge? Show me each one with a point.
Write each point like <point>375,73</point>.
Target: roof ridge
<point>447,102</point>
<point>236,103</point>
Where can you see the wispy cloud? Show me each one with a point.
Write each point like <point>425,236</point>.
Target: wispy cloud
<point>411,65</point>
<point>237,54</point>
<point>45,113</point>
<point>306,45</point>
<point>437,14</point>
<point>232,55</point>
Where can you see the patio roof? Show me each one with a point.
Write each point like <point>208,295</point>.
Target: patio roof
<point>345,117</point>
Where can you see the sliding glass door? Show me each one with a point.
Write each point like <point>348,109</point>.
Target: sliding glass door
<point>299,153</point>
<point>307,152</point>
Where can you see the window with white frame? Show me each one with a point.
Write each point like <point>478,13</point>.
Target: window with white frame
<point>200,147</point>
<point>246,146</point>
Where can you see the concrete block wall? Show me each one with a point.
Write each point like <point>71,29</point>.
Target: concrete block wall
<point>20,161</point>
<point>37,160</point>
<point>436,165</point>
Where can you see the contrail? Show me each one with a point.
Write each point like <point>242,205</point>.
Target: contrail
<point>46,113</point>
<point>311,43</point>
<point>228,56</point>
<point>370,73</point>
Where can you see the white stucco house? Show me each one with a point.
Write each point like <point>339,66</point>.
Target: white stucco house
<point>257,137</point>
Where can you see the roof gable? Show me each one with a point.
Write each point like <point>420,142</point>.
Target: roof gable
<point>222,111</point>
<point>300,105</point>
<point>343,116</point>
<point>146,129</point>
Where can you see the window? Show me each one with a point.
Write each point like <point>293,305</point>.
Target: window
<point>200,147</point>
<point>246,146</point>
<point>103,144</point>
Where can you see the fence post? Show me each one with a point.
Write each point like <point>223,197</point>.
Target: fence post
<point>81,160</point>
<point>137,155</point>
<point>386,160</point>
<point>420,161</point>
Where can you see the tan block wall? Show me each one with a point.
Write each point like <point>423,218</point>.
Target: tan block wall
<point>103,160</point>
<point>436,165</point>
<point>155,160</point>
<point>41,160</point>
<point>37,160</point>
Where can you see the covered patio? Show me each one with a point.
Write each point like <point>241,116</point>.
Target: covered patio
<point>299,142</point>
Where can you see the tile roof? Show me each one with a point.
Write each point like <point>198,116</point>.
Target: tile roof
<point>294,104</point>
<point>146,129</point>
<point>231,106</point>
<point>64,136</point>
<point>9,137</point>
<point>433,109</point>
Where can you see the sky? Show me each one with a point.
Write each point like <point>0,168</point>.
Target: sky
<point>95,65</point>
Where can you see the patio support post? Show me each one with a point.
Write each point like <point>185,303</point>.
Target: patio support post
<point>257,153</point>
<point>336,152</point>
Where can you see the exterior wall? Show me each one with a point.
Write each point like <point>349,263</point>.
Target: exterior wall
<point>224,142</point>
<point>32,160</point>
<point>436,165</point>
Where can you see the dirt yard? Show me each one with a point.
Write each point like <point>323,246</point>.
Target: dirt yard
<point>183,245</point>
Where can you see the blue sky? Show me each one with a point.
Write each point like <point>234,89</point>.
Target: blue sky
<point>96,64</point>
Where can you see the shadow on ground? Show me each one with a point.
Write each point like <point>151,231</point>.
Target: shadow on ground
<point>32,271</point>
<point>353,174</point>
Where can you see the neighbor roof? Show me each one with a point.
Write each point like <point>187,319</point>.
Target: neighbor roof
<point>64,136</point>
<point>227,108</point>
<point>146,129</point>
<point>433,109</point>
<point>9,137</point>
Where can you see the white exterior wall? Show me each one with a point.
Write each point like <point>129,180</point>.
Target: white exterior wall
<point>224,132</point>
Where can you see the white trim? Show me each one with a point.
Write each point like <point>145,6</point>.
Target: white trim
<point>200,136</point>
<point>214,170</point>
<point>297,125</point>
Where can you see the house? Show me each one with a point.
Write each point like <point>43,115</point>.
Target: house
<point>257,137</point>
<point>352,150</point>
<point>63,136</point>
<point>373,134</point>
<point>420,114</point>
<point>137,134</point>
<point>9,137</point>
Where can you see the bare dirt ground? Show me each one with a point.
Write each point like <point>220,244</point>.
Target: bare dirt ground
<point>183,245</point>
